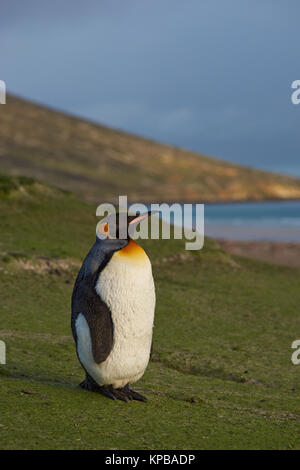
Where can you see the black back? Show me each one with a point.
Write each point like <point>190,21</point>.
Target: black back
<point>86,301</point>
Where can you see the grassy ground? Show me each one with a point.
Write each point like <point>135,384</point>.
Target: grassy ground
<point>221,374</point>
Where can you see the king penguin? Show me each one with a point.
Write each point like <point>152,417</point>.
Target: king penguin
<point>113,305</point>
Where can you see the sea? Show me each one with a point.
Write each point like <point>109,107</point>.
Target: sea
<point>273,221</point>
<point>268,220</point>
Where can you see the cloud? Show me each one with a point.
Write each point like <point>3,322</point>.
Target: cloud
<point>210,76</point>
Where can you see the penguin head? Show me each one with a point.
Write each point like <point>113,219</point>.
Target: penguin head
<point>113,232</point>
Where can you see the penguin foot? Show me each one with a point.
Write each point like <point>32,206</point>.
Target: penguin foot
<point>124,394</point>
<point>114,393</point>
<point>89,384</point>
<point>120,394</point>
<point>133,395</point>
<point>107,390</point>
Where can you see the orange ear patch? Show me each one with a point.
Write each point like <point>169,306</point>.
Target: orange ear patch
<point>105,228</point>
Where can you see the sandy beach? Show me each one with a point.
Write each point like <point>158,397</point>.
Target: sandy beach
<point>284,253</point>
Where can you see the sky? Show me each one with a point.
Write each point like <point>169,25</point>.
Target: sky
<point>212,76</point>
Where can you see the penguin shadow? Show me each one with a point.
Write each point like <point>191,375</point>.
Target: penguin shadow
<point>71,384</point>
<point>14,373</point>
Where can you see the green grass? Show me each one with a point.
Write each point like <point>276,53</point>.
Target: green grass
<point>221,374</point>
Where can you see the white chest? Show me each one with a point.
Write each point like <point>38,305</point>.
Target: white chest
<point>128,290</point>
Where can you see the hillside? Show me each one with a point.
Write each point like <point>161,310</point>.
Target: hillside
<point>98,163</point>
<point>221,374</point>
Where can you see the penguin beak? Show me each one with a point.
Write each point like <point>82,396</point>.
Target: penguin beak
<point>141,217</point>
<point>136,220</point>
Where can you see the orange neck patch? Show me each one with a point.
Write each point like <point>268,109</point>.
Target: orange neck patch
<point>133,253</point>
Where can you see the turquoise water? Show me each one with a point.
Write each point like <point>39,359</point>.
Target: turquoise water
<point>278,221</point>
<point>274,221</point>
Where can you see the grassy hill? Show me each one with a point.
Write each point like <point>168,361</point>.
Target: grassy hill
<point>98,163</point>
<point>221,374</point>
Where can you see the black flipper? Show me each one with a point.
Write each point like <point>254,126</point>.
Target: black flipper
<point>101,331</point>
<point>87,302</point>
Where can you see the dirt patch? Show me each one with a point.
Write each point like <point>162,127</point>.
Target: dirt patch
<point>283,253</point>
<point>39,264</point>
<point>177,257</point>
<point>54,339</point>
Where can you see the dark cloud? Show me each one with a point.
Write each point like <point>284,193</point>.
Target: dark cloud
<point>212,76</point>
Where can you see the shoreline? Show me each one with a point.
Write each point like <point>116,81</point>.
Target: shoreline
<point>214,202</point>
<point>275,252</point>
<point>252,201</point>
